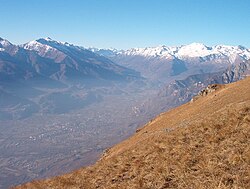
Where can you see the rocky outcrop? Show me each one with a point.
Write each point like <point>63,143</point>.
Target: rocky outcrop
<point>209,89</point>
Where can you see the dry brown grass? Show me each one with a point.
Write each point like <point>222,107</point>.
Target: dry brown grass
<point>204,144</point>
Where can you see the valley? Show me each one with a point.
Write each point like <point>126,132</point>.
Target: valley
<point>48,145</point>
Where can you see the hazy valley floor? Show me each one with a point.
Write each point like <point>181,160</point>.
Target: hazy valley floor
<point>48,145</point>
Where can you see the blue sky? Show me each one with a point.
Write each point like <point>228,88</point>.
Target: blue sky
<point>127,23</point>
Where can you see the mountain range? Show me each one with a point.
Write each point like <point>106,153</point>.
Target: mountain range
<point>53,60</point>
<point>47,59</point>
<point>162,63</point>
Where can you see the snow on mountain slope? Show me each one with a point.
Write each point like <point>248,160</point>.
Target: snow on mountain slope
<point>36,46</point>
<point>192,50</point>
<point>159,63</point>
<point>8,47</point>
<point>44,50</point>
<point>62,61</point>
<point>110,52</point>
<point>4,43</point>
<point>160,51</point>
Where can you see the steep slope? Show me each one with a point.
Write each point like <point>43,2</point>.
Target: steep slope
<point>202,144</point>
<point>72,62</point>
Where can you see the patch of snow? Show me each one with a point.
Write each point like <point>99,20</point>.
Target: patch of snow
<point>5,43</point>
<point>37,46</point>
<point>160,51</point>
<point>57,42</point>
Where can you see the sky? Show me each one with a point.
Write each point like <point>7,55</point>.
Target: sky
<point>125,24</point>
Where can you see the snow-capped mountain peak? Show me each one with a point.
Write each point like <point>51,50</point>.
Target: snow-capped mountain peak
<point>46,47</point>
<point>4,43</point>
<point>45,44</point>
<point>105,52</point>
<point>193,50</point>
<point>37,46</point>
<point>163,51</point>
<point>49,40</point>
<point>196,45</point>
<point>8,47</point>
<point>159,51</point>
<point>232,50</point>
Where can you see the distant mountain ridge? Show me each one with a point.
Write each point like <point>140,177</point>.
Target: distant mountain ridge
<point>191,50</point>
<point>60,61</point>
<point>162,63</point>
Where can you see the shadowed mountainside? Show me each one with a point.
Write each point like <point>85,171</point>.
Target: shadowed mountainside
<point>201,144</point>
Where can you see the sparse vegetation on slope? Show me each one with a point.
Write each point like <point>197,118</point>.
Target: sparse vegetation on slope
<point>203,144</point>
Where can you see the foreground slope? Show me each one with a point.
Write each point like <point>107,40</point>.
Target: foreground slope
<point>202,144</point>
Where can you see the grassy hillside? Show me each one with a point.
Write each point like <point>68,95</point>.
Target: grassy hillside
<point>202,144</point>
